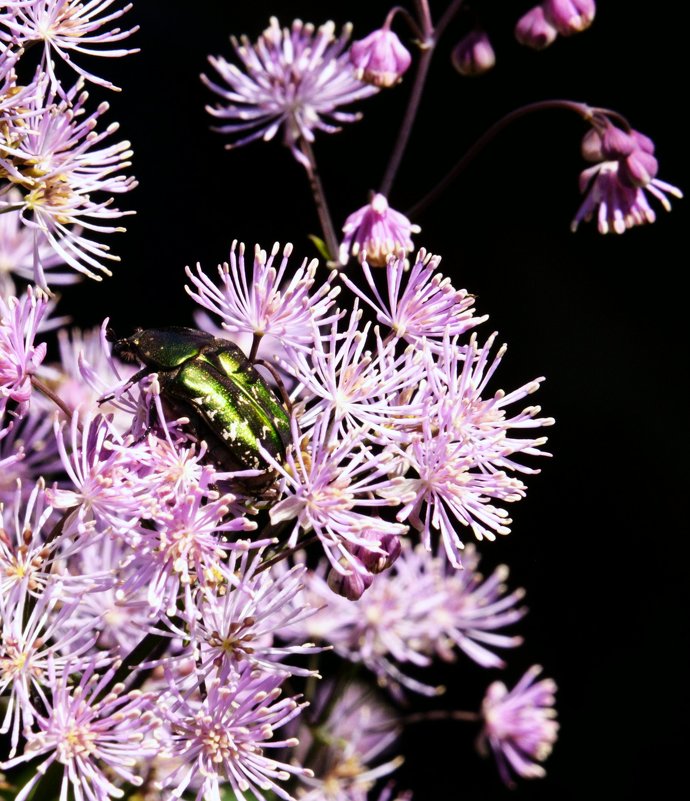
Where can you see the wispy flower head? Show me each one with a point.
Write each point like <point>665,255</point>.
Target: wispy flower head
<point>19,245</point>
<point>97,737</point>
<point>61,169</point>
<point>344,751</point>
<point>227,738</point>
<point>420,608</point>
<point>461,454</point>
<point>235,631</point>
<point>293,80</point>
<point>520,725</point>
<point>375,232</point>
<point>32,646</point>
<point>20,319</point>
<point>65,27</point>
<point>420,304</point>
<point>260,301</point>
<point>331,492</point>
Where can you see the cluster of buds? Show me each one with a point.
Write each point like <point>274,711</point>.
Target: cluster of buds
<point>624,169</point>
<point>540,26</point>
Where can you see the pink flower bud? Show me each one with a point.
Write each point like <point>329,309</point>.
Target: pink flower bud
<point>380,58</point>
<point>569,16</point>
<point>350,585</point>
<point>381,556</point>
<point>592,147</point>
<point>616,143</point>
<point>534,30</point>
<point>473,54</point>
<point>638,169</point>
<point>643,142</point>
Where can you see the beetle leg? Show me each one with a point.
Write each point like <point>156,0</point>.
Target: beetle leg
<point>279,381</point>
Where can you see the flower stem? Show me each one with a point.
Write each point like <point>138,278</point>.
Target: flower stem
<point>428,39</point>
<point>431,715</point>
<point>319,195</point>
<point>56,399</point>
<point>307,540</point>
<point>408,120</point>
<point>581,109</point>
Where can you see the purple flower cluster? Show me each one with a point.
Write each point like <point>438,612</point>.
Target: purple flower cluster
<point>145,564</point>
<point>624,170</point>
<point>165,613</point>
<point>57,178</point>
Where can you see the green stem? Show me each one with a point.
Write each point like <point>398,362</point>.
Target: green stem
<point>329,234</point>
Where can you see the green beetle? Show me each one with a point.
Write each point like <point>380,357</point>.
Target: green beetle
<point>212,382</point>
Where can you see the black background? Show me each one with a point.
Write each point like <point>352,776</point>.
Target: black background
<point>599,541</point>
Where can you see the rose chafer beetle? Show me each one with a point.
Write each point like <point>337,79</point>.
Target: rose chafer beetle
<point>212,382</point>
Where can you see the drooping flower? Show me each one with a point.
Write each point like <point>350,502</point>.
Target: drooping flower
<point>380,58</point>
<point>375,232</point>
<point>68,26</point>
<point>293,80</point>
<point>615,188</point>
<point>520,725</point>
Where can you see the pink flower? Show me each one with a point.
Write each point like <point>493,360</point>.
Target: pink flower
<point>376,231</point>
<point>615,187</point>
<point>380,58</point>
<point>292,80</point>
<point>19,357</point>
<point>519,725</point>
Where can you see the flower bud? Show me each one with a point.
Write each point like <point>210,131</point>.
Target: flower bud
<point>569,16</point>
<point>386,551</point>
<point>643,142</point>
<point>534,30</point>
<point>591,147</point>
<point>638,169</point>
<point>350,585</point>
<point>380,58</point>
<point>616,143</point>
<point>473,54</point>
